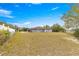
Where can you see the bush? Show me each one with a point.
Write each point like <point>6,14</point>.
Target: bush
<point>57,28</point>
<point>4,35</point>
<point>76,33</point>
<point>23,29</point>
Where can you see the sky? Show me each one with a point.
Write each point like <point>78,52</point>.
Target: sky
<point>33,14</point>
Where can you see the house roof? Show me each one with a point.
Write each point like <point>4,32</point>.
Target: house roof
<point>40,28</point>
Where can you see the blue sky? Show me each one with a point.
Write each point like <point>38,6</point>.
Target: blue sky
<point>33,14</point>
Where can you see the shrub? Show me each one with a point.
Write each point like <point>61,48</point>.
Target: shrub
<point>4,35</point>
<point>23,29</point>
<point>57,28</point>
<point>76,33</point>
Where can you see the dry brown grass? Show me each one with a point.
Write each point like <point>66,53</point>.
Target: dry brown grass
<point>23,44</point>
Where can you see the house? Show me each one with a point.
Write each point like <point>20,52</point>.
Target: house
<point>40,29</point>
<point>3,27</point>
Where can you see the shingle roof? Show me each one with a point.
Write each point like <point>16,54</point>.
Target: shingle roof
<point>40,28</point>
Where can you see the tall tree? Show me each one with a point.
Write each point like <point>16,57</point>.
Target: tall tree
<point>71,18</point>
<point>46,27</point>
<point>57,28</point>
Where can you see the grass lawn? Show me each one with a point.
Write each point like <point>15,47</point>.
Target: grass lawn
<point>40,44</point>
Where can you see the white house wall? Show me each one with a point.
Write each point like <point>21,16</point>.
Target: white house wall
<point>41,30</point>
<point>6,28</point>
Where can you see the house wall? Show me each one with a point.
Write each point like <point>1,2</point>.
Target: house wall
<point>41,30</point>
<point>37,30</point>
<point>47,30</point>
<point>2,27</point>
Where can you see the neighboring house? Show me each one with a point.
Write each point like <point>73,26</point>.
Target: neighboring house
<point>3,27</point>
<point>39,29</point>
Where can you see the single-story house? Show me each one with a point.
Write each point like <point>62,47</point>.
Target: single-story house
<point>3,27</point>
<point>40,29</point>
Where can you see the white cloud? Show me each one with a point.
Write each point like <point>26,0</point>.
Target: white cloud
<point>17,24</point>
<point>8,16</point>
<point>29,5</point>
<point>27,23</point>
<point>5,13</point>
<point>35,3</point>
<point>24,24</point>
<point>55,8</point>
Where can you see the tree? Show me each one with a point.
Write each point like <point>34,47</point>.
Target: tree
<point>71,18</point>
<point>16,28</point>
<point>23,29</point>
<point>46,27</point>
<point>76,33</point>
<point>57,28</point>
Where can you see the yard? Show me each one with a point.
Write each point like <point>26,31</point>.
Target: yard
<point>40,44</point>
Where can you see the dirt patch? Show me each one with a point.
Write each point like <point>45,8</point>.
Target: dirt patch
<point>72,39</point>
